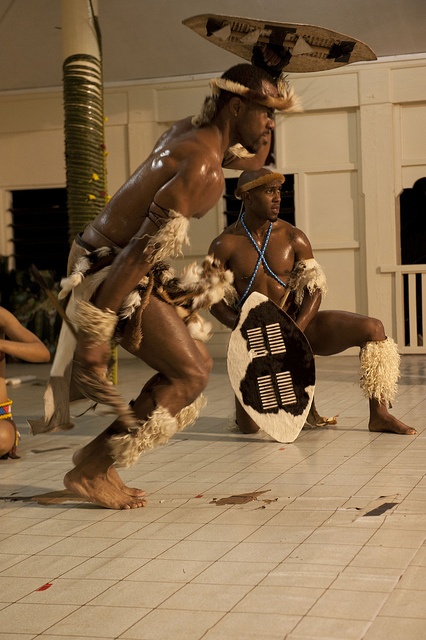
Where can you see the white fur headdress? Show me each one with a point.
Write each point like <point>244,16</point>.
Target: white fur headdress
<point>286,100</point>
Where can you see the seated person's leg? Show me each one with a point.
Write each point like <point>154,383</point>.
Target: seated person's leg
<point>7,438</point>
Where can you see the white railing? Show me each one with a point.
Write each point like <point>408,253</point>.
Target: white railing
<point>410,306</point>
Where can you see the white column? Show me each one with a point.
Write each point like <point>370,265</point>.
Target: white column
<point>378,187</point>
<point>78,29</point>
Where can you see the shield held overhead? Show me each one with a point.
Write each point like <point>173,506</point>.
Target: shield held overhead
<point>271,368</point>
<point>301,48</point>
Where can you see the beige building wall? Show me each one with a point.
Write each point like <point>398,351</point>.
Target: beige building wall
<point>359,142</point>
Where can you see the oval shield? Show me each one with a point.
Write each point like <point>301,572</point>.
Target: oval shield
<point>301,47</point>
<point>271,368</point>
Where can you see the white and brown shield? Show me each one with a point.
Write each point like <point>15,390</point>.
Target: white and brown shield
<point>271,368</point>
<point>301,47</point>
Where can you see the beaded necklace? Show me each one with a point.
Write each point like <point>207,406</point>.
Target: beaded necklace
<point>261,259</point>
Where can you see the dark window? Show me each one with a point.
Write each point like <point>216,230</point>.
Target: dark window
<point>413,223</point>
<point>413,249</point>
<point>40,229</point>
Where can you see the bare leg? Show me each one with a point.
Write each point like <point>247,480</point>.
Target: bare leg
<point>7,437</point>
<point>314,419</point>
<point>166,347</point>
<point>243,420</point>
<point>92,446</point>
<point>332,332</point>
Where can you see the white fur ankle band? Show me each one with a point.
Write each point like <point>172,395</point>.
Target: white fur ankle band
<point>155,431</point>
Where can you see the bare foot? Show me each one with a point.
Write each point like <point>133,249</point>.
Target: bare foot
<point>390,424</point>
<point>314,419</point>
<point>112,475</point>
<point>247,429</point>
<point>99,490</point>
<point>115,480</point>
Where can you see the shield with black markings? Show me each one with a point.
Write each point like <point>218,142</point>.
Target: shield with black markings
<point>271,368</point>
<point>299,47</point>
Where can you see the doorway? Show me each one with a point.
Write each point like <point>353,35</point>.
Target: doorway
<point>413,251</point>
<point>40,229</point>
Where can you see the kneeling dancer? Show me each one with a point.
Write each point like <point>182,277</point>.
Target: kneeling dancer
<point>268,255</point>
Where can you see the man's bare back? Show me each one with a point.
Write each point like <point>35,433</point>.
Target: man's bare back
<point>178,148</point>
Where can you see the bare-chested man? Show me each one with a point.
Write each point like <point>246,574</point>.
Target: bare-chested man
<point>133,298</point>
<point>290,277</point>
<point>18,341</point>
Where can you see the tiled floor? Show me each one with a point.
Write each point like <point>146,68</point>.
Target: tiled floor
<point>304,561</point>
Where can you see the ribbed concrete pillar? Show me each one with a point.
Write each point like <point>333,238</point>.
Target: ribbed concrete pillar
<point>84,113</point>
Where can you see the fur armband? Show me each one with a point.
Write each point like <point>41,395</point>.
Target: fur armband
<point>238,151</point>
<point>307,275</point>
<point>96,325</point>
<point>198,288</point>
<point>168,242</point>
<point>208,283</point>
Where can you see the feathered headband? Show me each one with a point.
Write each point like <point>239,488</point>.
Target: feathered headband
<point>257,182</point>
<point>285,101</point>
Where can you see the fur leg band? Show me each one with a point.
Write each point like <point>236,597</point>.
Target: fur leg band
<point>380,370</point>
<point>190,413</point>
<point>156,430</point>
<point>96,325</point>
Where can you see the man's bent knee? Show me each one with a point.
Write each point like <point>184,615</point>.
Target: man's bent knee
<point>375,330</point>
<point>197,379</point>
<point>191,379</point>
